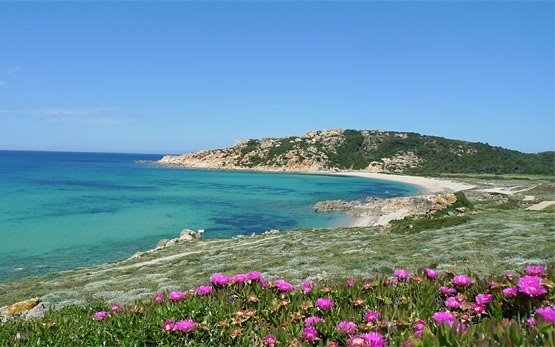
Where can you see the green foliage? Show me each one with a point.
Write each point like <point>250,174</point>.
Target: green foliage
<point>439,155</point>
<point>243,314</point>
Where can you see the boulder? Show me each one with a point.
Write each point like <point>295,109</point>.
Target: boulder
<point>18,309</point>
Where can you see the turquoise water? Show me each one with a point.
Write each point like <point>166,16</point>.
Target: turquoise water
<point>60,211</point>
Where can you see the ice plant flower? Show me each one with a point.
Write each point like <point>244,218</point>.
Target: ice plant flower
<point>447,291</point>
<point>168,326</point>
<point>158,297</point>
<point>115,307</point>
<point>283,286</point>
<point>402,274</point>
<point>444,317</point>
<point>309,321</point>
<point>346,327</point>
<point>462,280</point>
<point>509,276</point>
<point>219,279</point>
<point>391,280</point>
<point>511,291</point>
<point>453,302</point>
<point>531,286</point>
<point>372,339</point>
<point>483,298</point>
<point>547,313</point>
<point>430,273</point>
<point>535,270</point>
<point>270,340</point>
<point>239,278</point>
<point>204,290</point>
<point>371,316</point>
<point>478,308</point>
<point>176,295</point>
<point>310,333</point>
<point>307,287</point>
<point>255,277</point>
<point>324,304</point>
<point>185,326</point>
<point>100,315</point>
<point>419,325</point>
<point>350,283</point>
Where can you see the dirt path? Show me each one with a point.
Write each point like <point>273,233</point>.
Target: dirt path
<point>540,206</point>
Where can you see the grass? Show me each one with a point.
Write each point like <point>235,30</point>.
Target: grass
<point>251,314</point>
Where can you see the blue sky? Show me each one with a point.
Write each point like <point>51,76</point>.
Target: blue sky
<point>167,77</point>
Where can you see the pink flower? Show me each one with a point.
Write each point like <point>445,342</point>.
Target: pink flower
<point>478,308</point>
<point>402,274</point>
<point>307,287</point>
<point>219,279</point>
<point>419,325</point>
<point>492,284</point>
<point>309,321</point>
<point>511,291</point>
<point>547,313</point>
<point>372,316</point>
<point>204,290</point>
<point>176,296</point>
<point>255,277</point>
<point>391,280</point>
<point>531,286</point>
<point>483,298</point>
<point>453,302</point>
<point>346,327</point>
<point>115,307</point>
<point>430,273</point>
<point>531,321</point>
<point>158,297</point>
<point>239,278</point>
<point>310,333</point>
<point>333,344</point>
<point>461,280</point>
<point>444,317</point>
<point>350,283</point>
<point>509,276</point>
<point>168,326</point>
<point>372,339</point>
<point>324,304</point>
<point>100,315</point>
<point>535,270</point>
<point>283,285</point>
<point>270,340</point>
<point>185,326</point>
<point>447,291</point>
<point>265,284</point>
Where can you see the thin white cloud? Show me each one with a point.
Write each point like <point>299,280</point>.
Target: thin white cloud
<point>83,115</point>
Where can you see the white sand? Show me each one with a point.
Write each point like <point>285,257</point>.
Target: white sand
<point>427,184</point>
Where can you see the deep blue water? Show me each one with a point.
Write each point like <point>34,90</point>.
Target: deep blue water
<point>60,211</point>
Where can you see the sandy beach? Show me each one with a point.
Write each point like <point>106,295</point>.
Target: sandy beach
<point>427,184</point>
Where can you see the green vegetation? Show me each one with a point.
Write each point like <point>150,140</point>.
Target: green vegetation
<point>357,149</point>
<point>236,311</point>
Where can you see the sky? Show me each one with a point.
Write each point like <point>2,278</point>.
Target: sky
<point>170,77</point>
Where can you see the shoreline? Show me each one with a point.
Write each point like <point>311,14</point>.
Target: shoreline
<point>425,185</point>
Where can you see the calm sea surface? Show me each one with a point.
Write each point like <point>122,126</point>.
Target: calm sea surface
<point>60,211</point>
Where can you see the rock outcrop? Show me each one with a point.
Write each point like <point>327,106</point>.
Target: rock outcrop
<point>374,211</point>
<point>27,309</point>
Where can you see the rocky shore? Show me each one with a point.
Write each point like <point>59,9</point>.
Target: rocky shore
<point>379,212</point>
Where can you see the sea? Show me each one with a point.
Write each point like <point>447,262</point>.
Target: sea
<point>61,210</point>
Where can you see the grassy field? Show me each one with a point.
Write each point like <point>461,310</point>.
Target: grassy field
<point>498,235</point>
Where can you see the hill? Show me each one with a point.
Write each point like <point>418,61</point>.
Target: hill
<point>368,150</point>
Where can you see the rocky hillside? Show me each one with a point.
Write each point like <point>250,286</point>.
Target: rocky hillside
<point>367,150</point>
